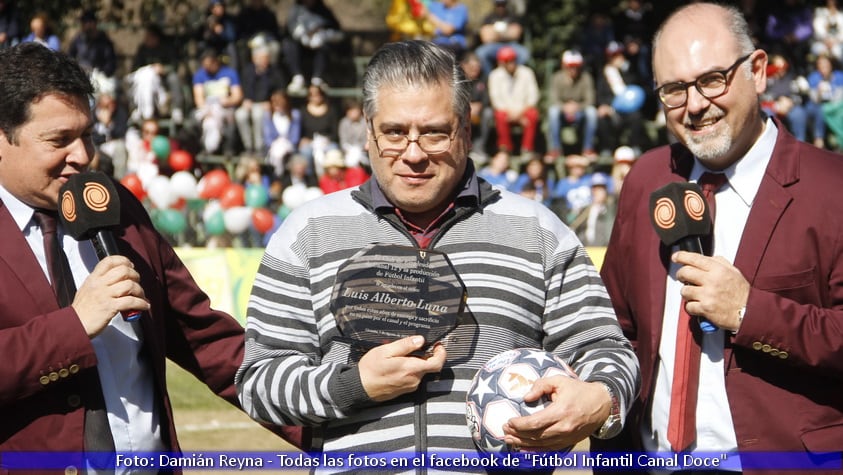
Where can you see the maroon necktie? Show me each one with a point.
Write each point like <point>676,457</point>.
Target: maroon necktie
<point>682,425</point>
<point>97,431</point>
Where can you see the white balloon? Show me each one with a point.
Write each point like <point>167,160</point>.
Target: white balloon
<point>159,192</point>
<point>312,193</point>
<point>183,185</point>
<point>293,196</point>
<point>237,219</point>
<point>211,208</point>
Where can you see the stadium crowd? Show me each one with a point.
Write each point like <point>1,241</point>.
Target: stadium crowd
<point>222,145</point>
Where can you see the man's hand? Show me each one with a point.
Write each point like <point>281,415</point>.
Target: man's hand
<point>714,288</point>
<point>576,410</point>
<point>112,287</point>
<point>388,371</point>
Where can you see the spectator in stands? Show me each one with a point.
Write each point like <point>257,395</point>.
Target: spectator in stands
<point>498,171</point>
<point>783,97</point>
<point>514,96</point>
<point>450,17</point>
<point>788,29</point>
<point>634,26</point>
<point>219,32</point>
<point>155,84</point>
<point>406,21</point>
<point>593,224</point>
<point>320,127</point>
<point>825,87</point>
<point>141,159</point>
<point>110,124</point>
<point>534,182</point>
<point>281,130</point>
<point>298,174</point>
<point>338,175</point>
<point>572,98</point>
<point>313,31</point>
<point>256,18</point>
<point>624,158</point>
<point>352,134</point>
<point>482,116</point>
<point>828,30</point>
<point>10,27</point>
<point>94,51</point>
<point>260,77</point>
<point>41,31</point>
<point>216,94</point>
<point>572,193</point>
<point>616,125</point>
<point>500,28</point>
<point>596,37</point>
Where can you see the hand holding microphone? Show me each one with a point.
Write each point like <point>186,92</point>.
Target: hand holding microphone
<point>88,208</point>
<point>680,215</point>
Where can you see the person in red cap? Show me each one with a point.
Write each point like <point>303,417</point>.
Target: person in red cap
<point>514,95</point>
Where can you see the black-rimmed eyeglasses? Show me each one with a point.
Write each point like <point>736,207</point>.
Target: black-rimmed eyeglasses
<point>711,85</point>
<point>393,144</point>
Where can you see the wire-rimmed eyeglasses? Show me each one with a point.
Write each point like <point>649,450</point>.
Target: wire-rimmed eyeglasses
<point>392,144</point>
<point>711,85</point>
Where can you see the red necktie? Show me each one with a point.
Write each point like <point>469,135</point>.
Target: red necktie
<point>682,425</point>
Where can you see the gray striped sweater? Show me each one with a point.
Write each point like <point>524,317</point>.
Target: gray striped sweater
<point>529,284</point>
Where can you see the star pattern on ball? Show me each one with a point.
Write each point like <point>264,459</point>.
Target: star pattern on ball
<point>484,388</point>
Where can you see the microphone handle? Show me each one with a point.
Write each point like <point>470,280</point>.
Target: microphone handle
<point>693,244</point>
<point>105,245</point>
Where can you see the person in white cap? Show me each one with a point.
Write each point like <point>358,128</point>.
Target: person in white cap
<point>571,98</point>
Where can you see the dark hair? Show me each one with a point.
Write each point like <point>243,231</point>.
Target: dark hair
<point>30,71</point>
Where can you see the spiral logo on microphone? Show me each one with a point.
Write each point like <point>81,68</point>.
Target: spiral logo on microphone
<point>664,213</point>
<point>694,205</point>
<point>96,196</point>
<point>68,206</point>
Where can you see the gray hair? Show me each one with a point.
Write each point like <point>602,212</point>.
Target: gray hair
<point>415,63</point>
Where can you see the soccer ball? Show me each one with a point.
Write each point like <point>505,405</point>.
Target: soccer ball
<point>497,393</point>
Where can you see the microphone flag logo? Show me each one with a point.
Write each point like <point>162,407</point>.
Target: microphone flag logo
<point>68,206</point>
<point>664,213</point>
<point>96,196</point>
<point>694,205</point>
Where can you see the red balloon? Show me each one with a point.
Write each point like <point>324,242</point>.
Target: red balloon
<point>262,220</point>
<point>213,184</point>
<point>134,184</point>
<point>180,160</point>
<point>232,195</point>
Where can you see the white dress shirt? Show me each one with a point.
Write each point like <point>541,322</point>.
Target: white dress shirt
<point>715,430</point>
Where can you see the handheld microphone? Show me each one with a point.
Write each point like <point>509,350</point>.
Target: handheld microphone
<point>89,207</point>
<point>680,215</point>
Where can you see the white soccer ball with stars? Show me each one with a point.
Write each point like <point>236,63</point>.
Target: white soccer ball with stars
<point>497,393</point>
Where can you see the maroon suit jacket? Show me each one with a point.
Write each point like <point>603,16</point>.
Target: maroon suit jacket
<point>784,368</point>
<point>48,360</point>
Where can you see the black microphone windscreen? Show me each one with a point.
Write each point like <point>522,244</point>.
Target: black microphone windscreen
<point>88,202</point>
<point>679,210</point>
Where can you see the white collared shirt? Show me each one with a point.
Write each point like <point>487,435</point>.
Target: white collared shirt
<point>127,381</point>
<point>715,430</point>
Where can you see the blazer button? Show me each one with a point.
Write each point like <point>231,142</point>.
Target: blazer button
<point>44,380</point>
<point>783,355</point>
<point>74,368</point>
<point>71,470</point>
<point>54,376</point>
<point>74,400</point>
<point>766,348</point>
<point>63,373</point>
<point>774,352</point>
<point>757,345</point>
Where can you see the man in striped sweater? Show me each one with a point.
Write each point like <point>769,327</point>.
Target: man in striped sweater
<point>529,283</point>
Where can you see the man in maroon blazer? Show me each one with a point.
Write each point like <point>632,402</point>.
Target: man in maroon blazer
<point>772,374</point>
<point>60,362</point>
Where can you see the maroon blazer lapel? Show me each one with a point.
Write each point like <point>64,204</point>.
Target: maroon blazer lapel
<point>16,254</point>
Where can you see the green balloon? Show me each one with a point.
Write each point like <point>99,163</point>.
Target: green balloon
<point>161,147</point>
<point>283,211</point>
<point>170,221</point>
<point>215,225</point>
<point>256,196</point>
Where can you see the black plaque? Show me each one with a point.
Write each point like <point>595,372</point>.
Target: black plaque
<point>388,292</point>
